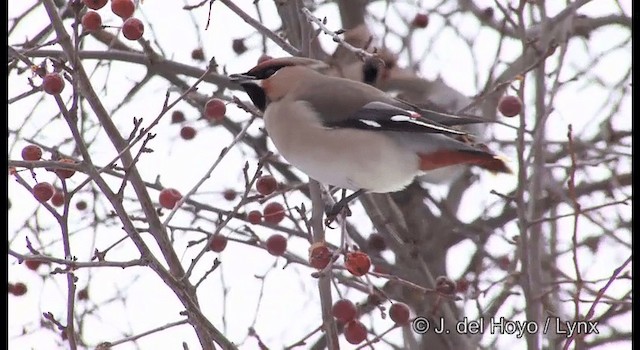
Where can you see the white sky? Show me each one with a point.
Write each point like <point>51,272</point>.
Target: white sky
<point>290,308</point>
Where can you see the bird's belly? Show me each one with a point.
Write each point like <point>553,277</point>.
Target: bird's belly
<point>351,159</point>
<point>348,158</point>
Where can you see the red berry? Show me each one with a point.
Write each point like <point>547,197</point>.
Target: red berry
<point>503,262</point>
<point>238,46</point>
<point>273,213</point>
<point>187,132</point>
<point>177,117</point>
<point>197,54</point>
<point>132,28</point>
<point>91,21</point>
<point>53,83</point>
<point>264,58</point>
<point>445,285</point>
<point>254,217</point>
<point>32,264</point>
<point>215,109</point>
<point>83,294</point>
<point>266,185</point>
<point>169,197</point>
<point>376,242</point>
<point>510,106</point>
<point>276,245</point>
<point>94,4</point>
<point>229,194</point>
<point>43,191</point>
<point>123,8</point>
<point>399,313</point>
<point>218,243</point>
<point>421,20</point>
<point>65,173</point>
<point>487,13</point>
<point>319,255</point>
<point>462,285</point>
<point>57,199</point>
<point>81,205</point>
<point>344,310</point>
<point>18,289</point>
<point>358,263</point>
<point>355,332</point>
<point>380,269</point>
<point>31,153</point>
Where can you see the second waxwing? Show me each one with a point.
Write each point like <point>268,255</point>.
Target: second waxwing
<point>351,135</point>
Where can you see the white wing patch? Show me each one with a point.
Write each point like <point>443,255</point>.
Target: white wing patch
<point>370,123</point>
<point>401,118</point>
<point>404,118</point>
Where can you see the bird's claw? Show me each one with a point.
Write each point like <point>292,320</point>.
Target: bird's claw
<point>333,211</point>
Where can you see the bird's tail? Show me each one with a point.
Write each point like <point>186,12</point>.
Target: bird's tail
<point>485,160</point>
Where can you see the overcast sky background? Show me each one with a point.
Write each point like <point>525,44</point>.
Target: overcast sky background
<point>290,306</point>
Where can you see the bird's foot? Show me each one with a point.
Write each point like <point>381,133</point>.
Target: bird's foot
<point>333,211</point>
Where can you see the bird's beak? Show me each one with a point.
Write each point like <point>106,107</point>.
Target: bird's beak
<point>242,77</point>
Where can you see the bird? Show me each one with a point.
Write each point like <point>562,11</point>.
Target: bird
<point>383,70</point>
<point>351,135</point>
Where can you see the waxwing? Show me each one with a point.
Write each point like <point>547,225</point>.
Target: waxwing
<point>382,71</point>
<point>349,134</point>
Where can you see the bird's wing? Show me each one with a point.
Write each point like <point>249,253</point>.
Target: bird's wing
<point>380,116</point>
<point>442,117</point>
